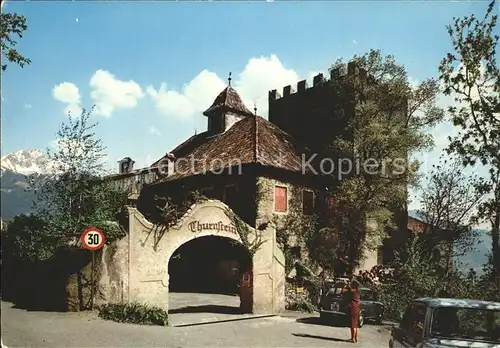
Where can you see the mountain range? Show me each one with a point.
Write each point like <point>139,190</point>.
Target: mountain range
<point>15,199</point>
<point>14,174</point>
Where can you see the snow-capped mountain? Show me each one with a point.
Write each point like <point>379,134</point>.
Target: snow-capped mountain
<point>27,162</point>
<point>15,169</point>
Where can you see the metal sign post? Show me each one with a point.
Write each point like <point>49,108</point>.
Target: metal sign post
<point>92,239</point>
<point>92,281</point>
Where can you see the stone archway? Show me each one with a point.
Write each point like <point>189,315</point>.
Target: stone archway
<point>205,276</point>
<point>136,267</point>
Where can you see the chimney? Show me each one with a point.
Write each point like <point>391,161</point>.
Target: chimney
<point>287,90</point>
<point>125,165</point>
<point>318,79</point>
<point>166,166</point>
<point>302,85</point>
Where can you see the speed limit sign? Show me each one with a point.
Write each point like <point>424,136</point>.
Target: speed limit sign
<point>93,238</point>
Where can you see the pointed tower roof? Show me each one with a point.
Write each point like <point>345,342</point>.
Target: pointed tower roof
<point>228,100</point>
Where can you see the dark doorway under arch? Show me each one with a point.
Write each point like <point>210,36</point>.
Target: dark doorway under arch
<point>205,275</point>
<point>208,264</point>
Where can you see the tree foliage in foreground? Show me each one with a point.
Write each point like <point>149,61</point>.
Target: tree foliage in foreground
<point>471,75</point>
<point>74,197</point>
<point>389,125</point>
<point>415,276</point>
<point>12,25</point>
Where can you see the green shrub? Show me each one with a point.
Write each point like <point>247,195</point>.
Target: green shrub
<point>134,313</point>
<point>301,305</point>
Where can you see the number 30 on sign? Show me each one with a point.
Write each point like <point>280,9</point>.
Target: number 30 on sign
<point>93,238</point>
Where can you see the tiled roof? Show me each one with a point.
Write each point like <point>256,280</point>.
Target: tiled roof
<point>251,140</point>
<point>228,100</point>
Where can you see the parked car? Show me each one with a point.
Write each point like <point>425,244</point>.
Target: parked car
<point>333,306</point>
<point>438,322</point>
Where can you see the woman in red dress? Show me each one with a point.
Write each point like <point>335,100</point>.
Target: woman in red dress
<point>353,298</point>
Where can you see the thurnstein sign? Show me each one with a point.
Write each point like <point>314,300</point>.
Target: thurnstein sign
<point>196,226</point>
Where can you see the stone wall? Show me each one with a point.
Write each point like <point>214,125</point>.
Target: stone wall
<point>265,212</point>
<point>265,205</point>
<point>114,280</point>
<point>134,181</point>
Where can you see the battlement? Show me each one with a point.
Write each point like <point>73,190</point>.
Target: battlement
<point>336,74</point>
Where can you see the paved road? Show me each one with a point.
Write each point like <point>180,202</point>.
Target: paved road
<point>21,328</point>
<point>192,308</point>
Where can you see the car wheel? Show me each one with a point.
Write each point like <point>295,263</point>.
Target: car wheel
<point>361,319</point>
<point>378,320</point>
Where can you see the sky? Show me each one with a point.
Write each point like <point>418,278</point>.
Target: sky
<point>152,68</point>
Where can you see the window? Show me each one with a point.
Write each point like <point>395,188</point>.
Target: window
<point>231,195</point>
<point>307,202</point>
<point>280,199</point>
<point>216,123</point>
<point>368,295</point>
<point>414,318</point>
<point>466,323</point>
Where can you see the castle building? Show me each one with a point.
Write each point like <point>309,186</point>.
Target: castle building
<point>257,167</point>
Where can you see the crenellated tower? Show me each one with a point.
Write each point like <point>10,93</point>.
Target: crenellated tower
<point>315,115</point>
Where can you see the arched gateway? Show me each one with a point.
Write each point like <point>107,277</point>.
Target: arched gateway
<point>136,268</point>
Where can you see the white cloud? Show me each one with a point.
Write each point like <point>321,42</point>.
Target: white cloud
<point>68,94</point>
<point>77,20</point>
<point>354,42</point>
<point>109,94</point>
<point>261,75</point>
<point>28,106</point>
<point>253,83</point>
<point>195,96</point>
<point>154,131</point>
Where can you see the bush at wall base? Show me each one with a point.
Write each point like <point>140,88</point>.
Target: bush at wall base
<point>134,313</point>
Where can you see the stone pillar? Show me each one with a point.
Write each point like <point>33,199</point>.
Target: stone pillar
<point>148,268</point>
<point>268,288</point>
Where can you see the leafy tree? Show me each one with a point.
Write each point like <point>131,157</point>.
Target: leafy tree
<point>388,125</point>
<point>323,248</point>
<point>12,25</point>
<point>471,75</point>
<point>448,204</point>
<point>77,196</point>
<point>414,277</point>
<point>24,236</point>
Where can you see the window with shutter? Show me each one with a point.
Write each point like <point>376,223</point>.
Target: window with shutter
<point>280,199</point>
<point>307,202</point>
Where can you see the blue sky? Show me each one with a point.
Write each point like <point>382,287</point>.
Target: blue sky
<point>118,54</point>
